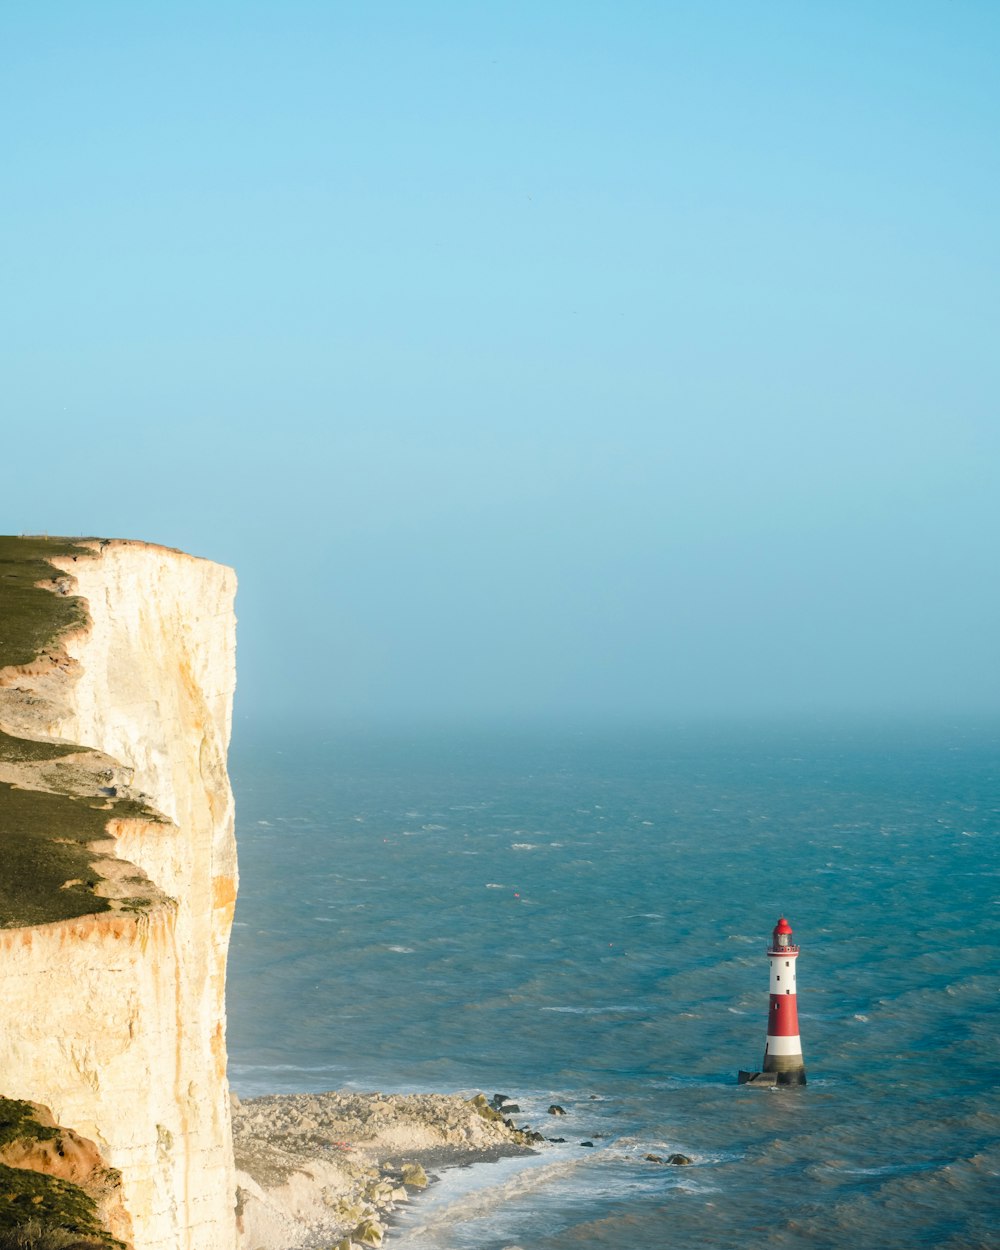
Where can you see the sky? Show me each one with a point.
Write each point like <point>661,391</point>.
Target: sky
<point>567,359</point>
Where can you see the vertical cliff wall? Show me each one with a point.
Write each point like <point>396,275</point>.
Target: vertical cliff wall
<point>113,1016</point>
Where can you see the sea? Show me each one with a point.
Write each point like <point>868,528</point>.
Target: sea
<point>578,916</point>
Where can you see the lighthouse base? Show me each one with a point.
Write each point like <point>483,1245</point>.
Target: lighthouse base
<point>797,1076</point>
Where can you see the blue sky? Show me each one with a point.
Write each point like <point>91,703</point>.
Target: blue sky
<point>525,360</point>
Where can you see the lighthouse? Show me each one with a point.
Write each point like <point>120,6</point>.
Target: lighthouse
<point>783,1050</point>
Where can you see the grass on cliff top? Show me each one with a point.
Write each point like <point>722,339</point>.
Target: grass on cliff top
<point>47,1212</point>
<point>17,1121</point>
<point>30,617</point>
<point>27,751</point>
<point>33,1200</point>
<point>43,845</point>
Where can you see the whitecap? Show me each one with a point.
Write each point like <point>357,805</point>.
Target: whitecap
<point>492,885</point>
<point>524,846</point>
<point>592,1011</point>
<point>235,1067</point>
<point>402,950</point>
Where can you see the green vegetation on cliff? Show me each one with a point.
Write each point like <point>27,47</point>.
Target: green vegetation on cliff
<point>17,1121</point>
<point>46,871</point>
<point>37,1210</point>
<point>26,750</point>
<point>45,864</point>
<point>31,617</point>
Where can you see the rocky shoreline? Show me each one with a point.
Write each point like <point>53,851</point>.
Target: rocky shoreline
<point>327,1171</point>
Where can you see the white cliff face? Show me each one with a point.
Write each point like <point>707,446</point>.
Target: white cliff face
<point>116,1020</point>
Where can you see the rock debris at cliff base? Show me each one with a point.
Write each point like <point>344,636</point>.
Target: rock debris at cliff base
<point>319,1170</point>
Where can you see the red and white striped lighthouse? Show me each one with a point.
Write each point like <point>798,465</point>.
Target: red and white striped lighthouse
<point>783,1050</point>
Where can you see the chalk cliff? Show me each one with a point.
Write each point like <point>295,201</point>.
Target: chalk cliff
<point>118,866</point>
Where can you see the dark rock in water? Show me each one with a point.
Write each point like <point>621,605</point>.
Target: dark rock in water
<point>511,1108</point>
<point>498,1100</point>
<point>557,1139</point>
<point>509,1122</point>
<point>654,1158</point>
<point>678,1159</point>
<point>586,1143</point>
<point>531,1135</point>
<point>555,1109</point>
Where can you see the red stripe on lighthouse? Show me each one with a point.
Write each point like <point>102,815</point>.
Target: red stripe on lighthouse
<point>783,1018</point>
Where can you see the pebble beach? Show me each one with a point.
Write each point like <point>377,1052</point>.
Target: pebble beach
<point>329,1170</point>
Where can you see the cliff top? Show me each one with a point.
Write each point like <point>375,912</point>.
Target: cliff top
<point>55,798</point>
<point>35,606</point>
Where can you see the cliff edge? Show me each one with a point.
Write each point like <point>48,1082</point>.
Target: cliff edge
<point>118,866</point>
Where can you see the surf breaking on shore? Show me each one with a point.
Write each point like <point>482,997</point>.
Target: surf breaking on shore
<point>328,1170</point>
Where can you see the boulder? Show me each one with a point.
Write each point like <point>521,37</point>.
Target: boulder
<point>555,1109</point>
<point>369,1233</point>
<point>678,1160</point>
<point>414,1176</point>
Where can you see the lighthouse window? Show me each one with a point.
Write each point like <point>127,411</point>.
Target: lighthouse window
<point>778,977</point>
<point>788,991</point>
<point>787,963</point>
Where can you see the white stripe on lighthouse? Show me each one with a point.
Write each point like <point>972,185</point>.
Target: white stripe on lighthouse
<point>783,1045</point>
<point>782,975</point>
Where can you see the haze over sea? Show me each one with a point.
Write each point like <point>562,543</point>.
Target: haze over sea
<point>580,916</point>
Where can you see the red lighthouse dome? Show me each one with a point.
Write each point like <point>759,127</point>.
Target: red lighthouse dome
<point>781,937</point>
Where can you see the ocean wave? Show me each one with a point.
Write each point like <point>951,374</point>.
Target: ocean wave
<point>592,1011</point>
<point>286,1067</point>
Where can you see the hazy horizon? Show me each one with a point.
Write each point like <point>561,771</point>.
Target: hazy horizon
<point>526,362</point>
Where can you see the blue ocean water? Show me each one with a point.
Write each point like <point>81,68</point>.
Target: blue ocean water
<point>580,917</point>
